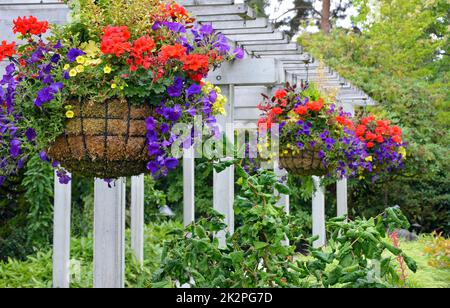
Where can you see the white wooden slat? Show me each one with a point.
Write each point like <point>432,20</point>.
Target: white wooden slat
<point>109,234</point>
<point>318,213</point>
<point>223,187</point>
<point>137,217</point>
<point>188,186</point>
<point>61,234</point>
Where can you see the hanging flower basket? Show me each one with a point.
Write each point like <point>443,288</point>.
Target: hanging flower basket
<point>307,162</point>
<point>104,140</point>
<point>316,137</point>
<point>100,97</point>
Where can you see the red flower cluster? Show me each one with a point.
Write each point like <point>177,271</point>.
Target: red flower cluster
<point>176,52</point>
<point>175,11</point>
<point>313,106</point>
<point>7,50</point>
<point>141,53</point>
<point>196,63</point>
<point>30,25</point>
<point>343,120</point>
<point>115,41</point>
<point>372,131</point>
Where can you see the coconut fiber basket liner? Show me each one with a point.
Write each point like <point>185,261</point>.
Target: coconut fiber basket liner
<point>307,163</point>
<point>104,140</point>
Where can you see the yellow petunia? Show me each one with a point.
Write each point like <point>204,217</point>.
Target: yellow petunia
<point>66,67</point>
<point>73,73</point>
<point>369,158</point>
<point>70,114</point>
<point>402,151</point>
<point>114,86</point>
<point>107,69</point>
<point>81,60</point>
<point>79,68</point>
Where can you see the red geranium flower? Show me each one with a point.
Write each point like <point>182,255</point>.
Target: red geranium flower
<point>141,53</point>
<point>301,110</point>
<point>172,52</point>
<point>397,139</point>
<point>196,63</point>
<point>280,94</point>
<point>316,106</point>
<point>276,111</point>
<point>115,41</point>
<point>29,25</point>
<point>7,50</point>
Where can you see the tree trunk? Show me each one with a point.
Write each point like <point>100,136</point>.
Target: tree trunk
<point>325,24</point>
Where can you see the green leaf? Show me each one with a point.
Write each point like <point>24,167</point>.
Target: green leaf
<point>260,245</point>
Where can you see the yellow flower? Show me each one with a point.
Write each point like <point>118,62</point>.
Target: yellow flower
<point>66,67</point>
<point>90,49</point>
<point>81,60</point>
<point>369,158</point>
<point>402,151</point>
<point>107,69</point>
<point>114,86</point>
<point>70,114</point>
<point>80,68</point>
<point>122,87</point>
<point>73,73</point>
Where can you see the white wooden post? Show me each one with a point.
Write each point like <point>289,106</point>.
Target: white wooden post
<point>342,185</point>
<point>109,234</point>
<point>318,213</point>
<point>189,186</point>
<point>137,217</point>
<point>61,234</point>
<point>342,207</point>
<point>223,189</point>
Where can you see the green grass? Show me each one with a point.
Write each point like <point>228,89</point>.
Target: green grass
<point>426,276</point>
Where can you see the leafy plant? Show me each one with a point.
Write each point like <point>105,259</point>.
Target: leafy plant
<point>438,251</point>
<point>355,256</point>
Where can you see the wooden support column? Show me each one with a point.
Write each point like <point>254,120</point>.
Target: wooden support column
<point>224,181</point>
<point>342,185</point>
<point>61,234</point>
<point>109,234</point>
<point>318,213</point>
<point>342,201</point>
<point>137,217</point>
<point>189,186</point>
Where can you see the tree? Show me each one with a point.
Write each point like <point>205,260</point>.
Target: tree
<point>399,59</point>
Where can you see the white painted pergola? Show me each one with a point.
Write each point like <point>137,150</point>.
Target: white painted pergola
<point>272,60</point>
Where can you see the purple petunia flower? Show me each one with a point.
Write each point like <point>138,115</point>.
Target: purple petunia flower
<point>150,123</point>
<point>30,134</point>
<point>55,58</point>
<point>193,90</point>
<point>74,53</point>
<point>66,75</point>
<point>171,163</point>
<point>239,53</point>
<point>14,149</point>
<point>43,156</point>
<point>58,45</point>
<point>176,88</point>
<point>175,27</point>
<point>2,180</point>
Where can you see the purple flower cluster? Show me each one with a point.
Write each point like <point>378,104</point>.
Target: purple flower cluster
<point>159,136</point>
<point>14,138</point>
